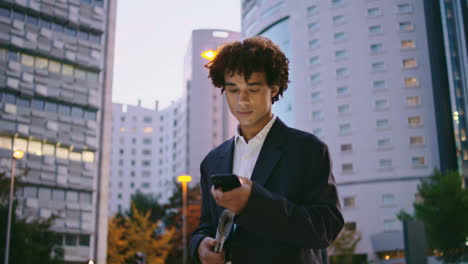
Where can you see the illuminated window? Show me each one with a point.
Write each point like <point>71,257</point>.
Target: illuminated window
<point>411,82</point>
<point>48,149</point>
<point>27,60</point>
<point>408,44</point>
<point>409,63</point>
<point>41,63</point>
<point>67,70</point>
<point>416,140</point>
<point>5,142</point>
<point>75,156</point>
<point>413,100</point>
<point>147,129</point>
<point>418,161</point>
<point>414,121</point>
<point>54,66</point>
<point>35,147</point>
<point>20,144</point>
<point>62,153</point>
<point>406,26</point>
<point>88,156</point>
<point>122,129</point>
<point>349,202</point>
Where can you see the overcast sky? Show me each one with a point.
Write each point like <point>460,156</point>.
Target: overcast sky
<point>151,40</point>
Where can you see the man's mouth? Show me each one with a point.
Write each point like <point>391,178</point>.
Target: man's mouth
<point>244,113</point>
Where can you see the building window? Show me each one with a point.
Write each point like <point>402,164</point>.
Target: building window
<point>35,148</point>
<point>345,128</point>
<point>27,60</point>
<point>147,130</point>
<point>346,147</point>
<point>411,82</point>
<point>316,96</point>
<point>414,121</point>
<point>84,240</point>
<point>342,72</point>
<point>373,12</point>
<point>311,10</point>
<point>342,90</point>
<point>344,109</point>
<point>316,115</point>
<point>385,163</point>
<point>416,141</point>
<point>376,47</point>
<point>349,202</point>
<point>383,143</point>
<point>389,225</point>
<point>313,26</point>
<point>134,141</point>
<point>336,3</point>
<point>338,19</point>
<point>378,66</point>
<point>146,174</point>
<point>418,161</point>
<point>408,44</point>
<point>405,8</point>
<point>70,240</point>
<point>341,54</point>
<point>119,196</point>
<point>406,26</point>
<point>382,123</point>
<point>375,29</point>
<point>413,101</point>
<point>314,60</point>
<point>146,152</point>
<point>313,43</point>
<point>146,141</point>
<point>409,63</point>
<point>381,104</point>
<point>379,84</point>
<point>132,185</point>
<point>146,163</point>
<point>318,132</point>
<point>145,185</point>
<point>147,119</point>
<point>339,36</point>
<point>132,162</point>
<point>315,77</point>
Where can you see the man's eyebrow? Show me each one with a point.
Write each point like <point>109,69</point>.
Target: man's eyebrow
<point>229,84</point>
<point>254,83</point>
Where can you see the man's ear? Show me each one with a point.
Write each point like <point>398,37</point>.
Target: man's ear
<point>274,91</point>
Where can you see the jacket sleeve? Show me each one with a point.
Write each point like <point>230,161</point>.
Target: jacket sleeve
<point>206,227</point>
<point>314,223</point>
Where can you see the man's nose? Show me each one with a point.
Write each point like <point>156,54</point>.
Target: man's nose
<point>243,97</point>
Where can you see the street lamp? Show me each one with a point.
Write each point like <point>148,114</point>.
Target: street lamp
<point>184,179</point>
<point>209,54</point>
<point>17,154</point>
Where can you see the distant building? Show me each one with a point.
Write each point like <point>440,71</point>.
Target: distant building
<point>56,62</point>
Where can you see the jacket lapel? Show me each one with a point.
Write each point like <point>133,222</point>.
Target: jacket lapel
<point>270,153</point>
<point>226,158</point>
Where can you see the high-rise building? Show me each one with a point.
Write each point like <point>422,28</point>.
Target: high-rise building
<point>148,152</point>
<point>361,81</point>
<point>209,122</point>
<point>56,62</point>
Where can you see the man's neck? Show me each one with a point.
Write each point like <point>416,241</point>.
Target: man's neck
<point>250,132</point>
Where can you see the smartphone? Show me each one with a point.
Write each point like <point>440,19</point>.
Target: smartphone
<point>225,182</point>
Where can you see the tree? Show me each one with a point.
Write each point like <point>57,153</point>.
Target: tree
<point>31,240</point>
<point>144,203</point>
<point>129,235</point>
<point>173,218</point>
<point>344,246</point>
<point>444,210</point>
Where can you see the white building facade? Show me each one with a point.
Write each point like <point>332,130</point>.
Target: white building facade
<point>361,81</point>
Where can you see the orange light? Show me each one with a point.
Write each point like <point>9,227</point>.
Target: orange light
<point>209,54</point>
<point>387,257</point>
<point>18,154</point>
<point>184,178</point>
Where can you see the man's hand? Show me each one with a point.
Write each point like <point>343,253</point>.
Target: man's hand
<point>236,199</point>
<point>206,253</point>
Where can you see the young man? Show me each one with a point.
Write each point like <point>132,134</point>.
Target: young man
<point>287,208</point>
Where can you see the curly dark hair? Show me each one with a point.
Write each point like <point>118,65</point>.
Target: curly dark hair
<point>256,54</point>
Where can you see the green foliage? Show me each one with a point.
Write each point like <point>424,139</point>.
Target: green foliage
<point>31,240</point>
<point>146,203</point>
<point>444,210</point>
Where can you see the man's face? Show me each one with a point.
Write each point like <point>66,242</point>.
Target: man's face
<point>249,102</point>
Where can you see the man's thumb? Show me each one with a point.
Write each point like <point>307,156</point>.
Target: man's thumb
<point>211,241</point>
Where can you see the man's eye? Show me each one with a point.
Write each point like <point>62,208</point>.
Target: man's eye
<point>254,90</point>
<point>232,90</point>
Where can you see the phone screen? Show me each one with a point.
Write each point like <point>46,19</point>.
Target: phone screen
<point>225,182</point>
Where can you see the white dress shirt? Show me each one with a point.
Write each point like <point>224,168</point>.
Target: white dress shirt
<point>246,154</point>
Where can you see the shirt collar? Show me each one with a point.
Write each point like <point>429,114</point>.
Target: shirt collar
<point>260,137</point>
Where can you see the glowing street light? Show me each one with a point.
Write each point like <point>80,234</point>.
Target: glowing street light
<point>209,54</point>
<point>184,179</point>
<point>17,154</point>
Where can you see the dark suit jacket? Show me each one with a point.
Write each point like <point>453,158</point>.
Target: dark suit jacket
<point>293,210</point>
